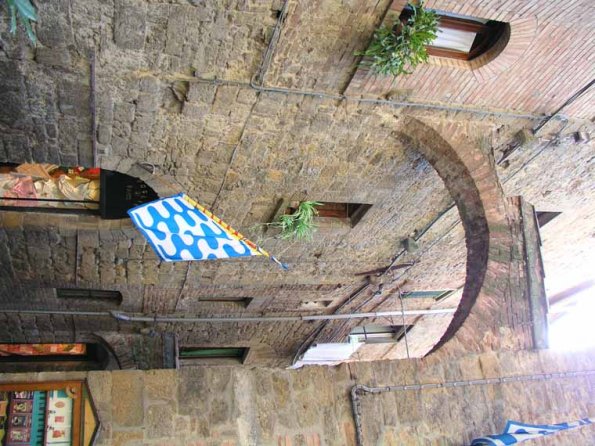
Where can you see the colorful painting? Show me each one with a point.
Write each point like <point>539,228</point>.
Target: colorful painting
<point>49,185</point>
<point>42,349</point>
<point>59,421</point>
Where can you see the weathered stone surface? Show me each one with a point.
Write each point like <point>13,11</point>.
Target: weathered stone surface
<point>130,24</point>
<point>128,391</point>
<point>258,412</point>
<point>160,421</point>
<point>240,149</point>
<point>161,385</point>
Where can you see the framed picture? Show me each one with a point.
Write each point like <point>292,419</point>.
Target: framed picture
<point>20,420</point>
<point>23,394</point>
<point>21,406</point>
<point>19,435</point>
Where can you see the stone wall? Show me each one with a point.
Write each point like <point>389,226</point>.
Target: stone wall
<point>217,406</point>
<point>183,102</point>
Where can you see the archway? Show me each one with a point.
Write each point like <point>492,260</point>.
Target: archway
<point>467,175</point>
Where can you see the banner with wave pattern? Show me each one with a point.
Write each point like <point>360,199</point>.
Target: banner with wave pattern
<point>180,229</point>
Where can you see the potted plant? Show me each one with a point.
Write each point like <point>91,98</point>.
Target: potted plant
<point>25,12</point>
<point>299,224</point>
<point>399,48</point>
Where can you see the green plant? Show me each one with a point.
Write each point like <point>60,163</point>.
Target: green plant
<point>398,49</point>
<point>25,12</point>
<point>300,224</point>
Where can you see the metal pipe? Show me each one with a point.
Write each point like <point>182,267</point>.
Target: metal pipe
<point>569,101</point>
<point>341,97</point>
<point>359,389</point>
<point>257,82</point>
<point>127,317</point>
<point>92,106</point>
<point>317,317</point>
<point>60,312</point>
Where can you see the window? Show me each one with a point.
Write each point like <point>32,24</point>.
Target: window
<point>351,213</point>
<point>52,357</point>
<point>379,334</point>
<point>190,356</point>
<point>62,189</point>
<point>462,37</point>
<point>436,295</point>
<point>36,350</point>
<point>316,304</point>
<point>52,413</point>
<point>544,217</point>
<point>77,293</point>
<point>238,301</point>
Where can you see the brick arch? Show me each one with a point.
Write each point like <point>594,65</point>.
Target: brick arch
<point>473,185</point>
<point>502,56</point>
<point>163,185</point>
<point>517,39</point>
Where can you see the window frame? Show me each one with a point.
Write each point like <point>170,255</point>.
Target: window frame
<point>89,294</point>
<point>222,359</point>
<point>349,213</point>
<point>437,295</point>
<point>379,334</point>
<point>488,33</point>
<point>118,192</point>
<point>239,301</point>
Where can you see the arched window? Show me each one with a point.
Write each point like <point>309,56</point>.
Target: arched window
<point>64,189</point>
<point>462,37</point>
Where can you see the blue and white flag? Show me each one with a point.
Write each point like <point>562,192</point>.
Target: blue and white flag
<point>178,229</point>
<point>515,432</point>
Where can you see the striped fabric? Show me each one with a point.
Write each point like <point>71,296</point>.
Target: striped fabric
<point>516,432</point>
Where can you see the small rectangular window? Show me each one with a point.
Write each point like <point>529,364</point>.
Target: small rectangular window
<point>316,304</point>
<point>351,213</point>
<point>87,294</point>
<point>436,295</point>
<point>379,334</point>
<point>189,356</point>
<point>240,301</point>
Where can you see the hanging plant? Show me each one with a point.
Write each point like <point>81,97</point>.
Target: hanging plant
<point>300,224</point>
<point>24,12</point>
<point>398,49</point>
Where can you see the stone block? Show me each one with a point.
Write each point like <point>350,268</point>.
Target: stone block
<point>127,438</point>
<point>128,390</point>
<point>161,385</point>
<point>200,92</point>
<point>73,99</point>
<point>159,421</point>
<point>100,386</point>
<point>54,57</point>
<point>12,107</point>
<point>176,23</point>
<point>130,24</point>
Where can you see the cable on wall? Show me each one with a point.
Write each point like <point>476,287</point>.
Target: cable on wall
<point>359,389</point>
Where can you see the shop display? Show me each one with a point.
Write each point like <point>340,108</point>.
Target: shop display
<point>47,415</point>
<point>49,185</point>
<point>42,349</point>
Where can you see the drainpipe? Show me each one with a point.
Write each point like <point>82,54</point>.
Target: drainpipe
<point>318,317</point>
<point>128,317</point>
